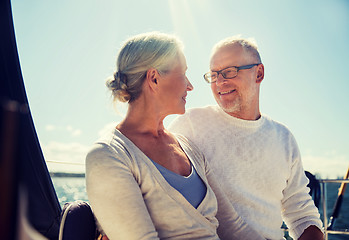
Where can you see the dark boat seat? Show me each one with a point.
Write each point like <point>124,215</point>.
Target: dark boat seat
<point>315,190</point>
<point>77,222</point>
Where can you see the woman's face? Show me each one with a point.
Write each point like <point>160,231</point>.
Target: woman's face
<point>174,86</point>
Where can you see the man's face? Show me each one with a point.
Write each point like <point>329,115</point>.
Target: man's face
<point>238,96</point>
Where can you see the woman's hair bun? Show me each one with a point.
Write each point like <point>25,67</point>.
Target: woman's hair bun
<point>117,85</point>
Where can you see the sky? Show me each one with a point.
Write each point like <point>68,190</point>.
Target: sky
<point>67,50</point>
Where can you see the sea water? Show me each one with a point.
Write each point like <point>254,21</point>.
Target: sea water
<point>70,189</point>
<point>73,188</point>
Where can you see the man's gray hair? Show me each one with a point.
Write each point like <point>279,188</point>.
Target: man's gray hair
<point>248,44</point>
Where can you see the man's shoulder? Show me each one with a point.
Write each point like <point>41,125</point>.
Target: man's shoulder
<point>194,119</point>
<point>275,124</point>
<point>201,110</point>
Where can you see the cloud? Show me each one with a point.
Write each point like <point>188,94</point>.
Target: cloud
<point>107,128</point>
<point>330,165</point>
<point>69,157</point>
<point>74,132</point>
<point>65,157</point>
<point>50,127</point>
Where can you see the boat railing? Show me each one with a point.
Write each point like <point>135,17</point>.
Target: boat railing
<point>323,183</point>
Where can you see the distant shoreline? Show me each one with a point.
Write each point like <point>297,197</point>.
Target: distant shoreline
<point>64,174</point>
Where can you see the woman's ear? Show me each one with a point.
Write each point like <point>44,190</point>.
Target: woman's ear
<point>260,73</point>
<point>151,78</point>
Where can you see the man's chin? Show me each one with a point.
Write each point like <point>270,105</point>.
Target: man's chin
<point>230,108</point>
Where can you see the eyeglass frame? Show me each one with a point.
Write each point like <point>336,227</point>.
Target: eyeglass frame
<point>237,71</point>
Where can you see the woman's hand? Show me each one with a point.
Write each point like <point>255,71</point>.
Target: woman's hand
<point>102,237</point>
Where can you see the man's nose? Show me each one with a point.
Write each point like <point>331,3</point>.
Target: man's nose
<point>220,79</point>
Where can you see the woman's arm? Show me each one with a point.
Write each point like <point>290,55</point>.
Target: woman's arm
<point>115,196</point>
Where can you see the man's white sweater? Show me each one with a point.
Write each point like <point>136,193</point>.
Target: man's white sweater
<point>258,165</point>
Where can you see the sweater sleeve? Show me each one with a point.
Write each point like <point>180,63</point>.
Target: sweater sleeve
<point>115,196</point>
<point>298,209</point>
<point>231,225</point>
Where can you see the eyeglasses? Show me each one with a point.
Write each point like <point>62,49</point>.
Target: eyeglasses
<point>227,73</point>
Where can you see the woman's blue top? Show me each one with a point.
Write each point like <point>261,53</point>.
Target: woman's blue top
<point>191,187</point>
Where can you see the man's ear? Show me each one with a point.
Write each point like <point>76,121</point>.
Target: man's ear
<point>260,73</point>
<point>151,78</point>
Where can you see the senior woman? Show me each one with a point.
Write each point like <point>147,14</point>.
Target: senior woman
<point>142,181</point>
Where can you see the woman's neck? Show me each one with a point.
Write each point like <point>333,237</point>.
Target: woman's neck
<point>142,118</point>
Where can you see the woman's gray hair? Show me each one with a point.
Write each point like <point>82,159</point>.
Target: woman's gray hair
<point>137,55</point>
<point>248,44</point>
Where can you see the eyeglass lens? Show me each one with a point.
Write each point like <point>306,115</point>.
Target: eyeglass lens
<point>226,73</point>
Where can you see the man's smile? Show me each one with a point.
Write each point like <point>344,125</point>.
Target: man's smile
<point>226,92</point>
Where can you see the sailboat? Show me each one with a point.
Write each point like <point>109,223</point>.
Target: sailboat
<point>24,176</point>
<point>22,161</point>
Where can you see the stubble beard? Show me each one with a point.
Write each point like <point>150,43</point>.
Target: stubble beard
<point>232,107</point>
<point>237,106</point>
